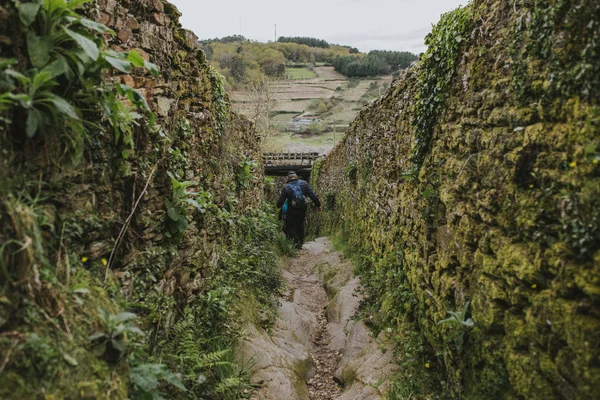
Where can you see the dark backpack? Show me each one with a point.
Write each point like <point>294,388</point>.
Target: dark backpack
<point>298,199</point>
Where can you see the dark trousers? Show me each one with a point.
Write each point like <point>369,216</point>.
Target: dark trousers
<point>294,227</point>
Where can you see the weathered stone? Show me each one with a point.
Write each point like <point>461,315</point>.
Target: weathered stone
<point>360,392</point>
<point>280,364</point>
<point>107,6</point>
<point>125,35</point>
<point>132,23</point>
<point>190,38</point>
<point>161,19</point>
<point>164,106</point>
<point>158,5</point>
<point>104,18</point>
<point>128,80</point>
<point>156,39</point>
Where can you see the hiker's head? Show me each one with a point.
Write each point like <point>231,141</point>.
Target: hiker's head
<point>291,176</point>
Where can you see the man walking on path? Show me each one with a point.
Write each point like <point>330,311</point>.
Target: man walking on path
<point>295,192</point>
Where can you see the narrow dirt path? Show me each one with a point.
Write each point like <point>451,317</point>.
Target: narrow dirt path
<point>310,294</point>
<point>316,350</point>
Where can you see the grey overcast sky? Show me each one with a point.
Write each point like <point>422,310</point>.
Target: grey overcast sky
<point>366,24</point>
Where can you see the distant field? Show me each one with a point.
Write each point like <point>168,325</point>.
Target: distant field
<point>290,106</point>
<point>292,97</point>
<point>292,91</point>
<point>355,93</point>
<point>282,118</point>
<point>328,73</point>
<point>344,113</point>
<point>331,85</point>
<point>299,73</point>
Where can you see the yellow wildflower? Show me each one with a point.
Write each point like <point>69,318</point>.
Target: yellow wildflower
<point>534,286</point>
<point>104,262</point>
<point>573,164</point>
<point>84,259</point>
<point>531,186</point>
<point>596,161</point>
<point>426,365</point>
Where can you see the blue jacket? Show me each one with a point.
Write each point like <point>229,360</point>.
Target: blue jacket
<point>287,193</point>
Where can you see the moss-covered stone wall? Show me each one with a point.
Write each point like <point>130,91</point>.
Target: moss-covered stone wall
<point>171,226</point>
<point>475,182</point>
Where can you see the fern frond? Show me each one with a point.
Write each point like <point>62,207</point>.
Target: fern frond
<point>227,384</point>
<point>216,357</point>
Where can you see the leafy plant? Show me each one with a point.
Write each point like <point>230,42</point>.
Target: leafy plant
<point>42,107</point>
<point>111,341</point>
<point>269,182</point>
<point>207,367</point>
<point>177,222</point>
<point>536,36</point>
<point>30,223</point>
<point>57,45</point>
<point>145,379</point>
<point>461,324</point>
<point>245,172</point>
<point>580,227</point>
<point>66,64</point>
<point>123,118</point>
<point>219,98</point>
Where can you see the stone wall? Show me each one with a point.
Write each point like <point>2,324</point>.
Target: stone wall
<point>83,206</point>
<point>504,214</point>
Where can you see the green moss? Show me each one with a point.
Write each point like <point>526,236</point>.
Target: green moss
<point>172,11</point>
<point>504,212</point>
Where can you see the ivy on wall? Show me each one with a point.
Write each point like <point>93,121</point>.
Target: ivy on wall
<point>435,75</point>
<point>554,34</point>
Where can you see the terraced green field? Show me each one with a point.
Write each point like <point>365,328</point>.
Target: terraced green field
<point>323,95</point>
<point>299,73</point>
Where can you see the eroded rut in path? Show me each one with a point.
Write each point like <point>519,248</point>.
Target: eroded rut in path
<point>323,386</point>
<point>316,349</point>
<point>310,294</point>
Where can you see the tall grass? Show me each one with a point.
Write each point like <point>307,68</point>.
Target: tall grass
<point>285,247</point>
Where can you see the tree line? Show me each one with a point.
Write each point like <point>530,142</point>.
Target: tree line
<point>309,41</point>
<point>241,60</point>
<point>377,62</point>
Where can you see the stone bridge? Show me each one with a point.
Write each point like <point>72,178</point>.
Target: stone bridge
<point>279,164</point>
